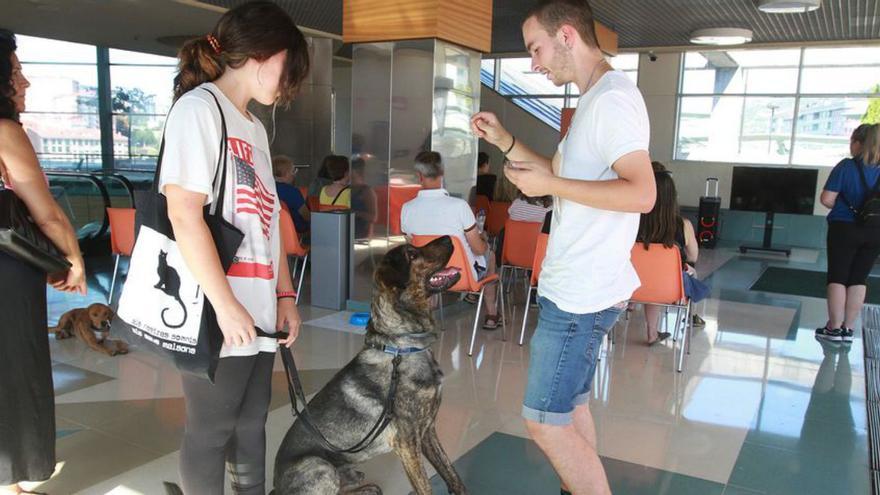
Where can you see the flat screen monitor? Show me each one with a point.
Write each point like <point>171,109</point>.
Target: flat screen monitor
<point>776,190</point>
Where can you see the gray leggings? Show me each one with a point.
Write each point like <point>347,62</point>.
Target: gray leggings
<point>227,422</point>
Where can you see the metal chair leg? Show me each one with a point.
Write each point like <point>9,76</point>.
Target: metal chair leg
<point>476,322</point>
<point>522,333</point>
<point>302,273</point>
<point>113,280</point>
<point>685,340</point>
<point>500,293</point>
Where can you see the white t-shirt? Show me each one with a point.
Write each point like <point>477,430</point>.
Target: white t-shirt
<point>192,147</point>
<point>587,267</point>
<point>435,212</point>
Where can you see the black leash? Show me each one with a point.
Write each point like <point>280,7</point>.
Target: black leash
<point>297,395</point>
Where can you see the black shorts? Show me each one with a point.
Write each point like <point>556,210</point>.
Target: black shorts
<point>852,251</point>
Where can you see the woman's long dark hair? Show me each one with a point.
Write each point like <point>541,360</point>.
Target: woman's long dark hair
<point>7,48</point>
<point>664,220</point>
<point>254,30</point>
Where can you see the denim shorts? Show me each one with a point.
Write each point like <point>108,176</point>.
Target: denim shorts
<point>563,355</point>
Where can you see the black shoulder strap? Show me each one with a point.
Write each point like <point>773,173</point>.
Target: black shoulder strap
<point>220,172</point>
<point>339,194</point>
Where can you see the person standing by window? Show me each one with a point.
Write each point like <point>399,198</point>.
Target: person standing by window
<point>255,52</point>
<point>27,398</point>
<point>852,248</point>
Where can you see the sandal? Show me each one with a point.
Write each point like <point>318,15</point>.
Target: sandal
<point>471,298</point>
<point>492,322</point>
<point>660,338</point>
<point>698,322</point>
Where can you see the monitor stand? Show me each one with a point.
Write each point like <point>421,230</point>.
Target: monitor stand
<point>767,246</point>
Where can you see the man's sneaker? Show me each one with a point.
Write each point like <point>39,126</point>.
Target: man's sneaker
<point>846,334</point>
<point>834,335</point>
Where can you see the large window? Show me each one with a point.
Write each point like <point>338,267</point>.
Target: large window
<point>786,106</point>
<point>63,117</point>
<point>141,97</point>
<point>532,91</point>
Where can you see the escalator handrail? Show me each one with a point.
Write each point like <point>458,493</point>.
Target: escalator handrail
<point>105,196</point>
<point>125,182</point>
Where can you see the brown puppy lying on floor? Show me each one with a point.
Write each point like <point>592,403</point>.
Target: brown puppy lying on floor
<point>92,326</point>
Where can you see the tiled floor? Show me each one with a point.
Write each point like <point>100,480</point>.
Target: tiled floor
<point>761,407</point>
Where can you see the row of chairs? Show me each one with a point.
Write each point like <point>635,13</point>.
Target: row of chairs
<point>659,269</point>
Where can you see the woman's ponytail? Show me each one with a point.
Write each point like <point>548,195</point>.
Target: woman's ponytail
<point>198,63</point>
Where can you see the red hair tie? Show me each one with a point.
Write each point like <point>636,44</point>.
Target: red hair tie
<point>214,43</point>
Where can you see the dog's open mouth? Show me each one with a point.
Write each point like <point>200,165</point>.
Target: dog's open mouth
<point>444,279</point>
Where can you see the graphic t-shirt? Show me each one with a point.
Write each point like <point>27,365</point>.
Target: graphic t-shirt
<point>192,149</point>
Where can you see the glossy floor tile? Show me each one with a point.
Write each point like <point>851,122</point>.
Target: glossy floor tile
<point>760,408</point>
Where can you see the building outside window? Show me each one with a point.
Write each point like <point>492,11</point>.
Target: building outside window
<point>783,106</point>
<point>63,118</point>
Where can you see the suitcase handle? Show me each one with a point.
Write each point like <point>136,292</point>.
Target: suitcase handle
<point>711,180</point>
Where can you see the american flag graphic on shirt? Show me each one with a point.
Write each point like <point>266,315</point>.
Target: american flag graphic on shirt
<point>251,196</point>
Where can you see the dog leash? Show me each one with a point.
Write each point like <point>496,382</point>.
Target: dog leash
<point>297,395</point>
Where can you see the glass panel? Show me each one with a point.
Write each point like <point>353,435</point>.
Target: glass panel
<point>142,89</point>
<point>127,57</point>
<point>517,78</point>
<point>549,110</point>
<point>69,141</point>
<point>136,135</point>
<point>741,129</point>
<point>749,72</point>
<point>855,55</point>
<point>625,61</point>
<point>61,88</point>
<point>31,49</point>
<point>824,127</point>
<point>837,80</point>
<point>487,72</point>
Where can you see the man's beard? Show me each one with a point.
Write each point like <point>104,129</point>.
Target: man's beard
<point>561,63</point>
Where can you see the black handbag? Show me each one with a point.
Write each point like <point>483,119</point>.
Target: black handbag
<point>22,239</point>
<point>193,344</point>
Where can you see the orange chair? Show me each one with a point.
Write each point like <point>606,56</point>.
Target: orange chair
<point>481,203</point>
<point>496,217</point>
<point>293,247</point>
<point>537,260</point>
<point>304,191</point>
<point>399,195</point>
<point>313,202</point>
<point>121,239</point>
<point>518,250</point>
<point>467,283</point>
<point>659,270</point>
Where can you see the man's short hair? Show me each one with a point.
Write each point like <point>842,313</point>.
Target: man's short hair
<point>429,164</point>
<point>482,159</point>
<point>552,14</point>
<point>281,165</point>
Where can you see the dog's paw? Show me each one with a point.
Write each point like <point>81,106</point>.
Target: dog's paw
<point>121,348</point>
<point>370,489</point>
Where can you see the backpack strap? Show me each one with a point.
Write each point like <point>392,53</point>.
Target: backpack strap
<point>339,194</point>
<point>868,190</point>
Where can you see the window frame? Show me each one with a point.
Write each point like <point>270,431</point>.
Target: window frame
<point>798,95</point>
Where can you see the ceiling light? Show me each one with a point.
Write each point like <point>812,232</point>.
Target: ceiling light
<point>721,36</point>
<point>788,6</point>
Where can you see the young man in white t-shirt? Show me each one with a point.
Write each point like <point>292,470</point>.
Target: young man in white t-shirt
<point>435,212</point>
<point>601,180</point>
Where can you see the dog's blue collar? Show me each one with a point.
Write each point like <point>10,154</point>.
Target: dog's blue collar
<point>397,351</point>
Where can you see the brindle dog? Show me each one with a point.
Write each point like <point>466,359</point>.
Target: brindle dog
<point>350,404</point>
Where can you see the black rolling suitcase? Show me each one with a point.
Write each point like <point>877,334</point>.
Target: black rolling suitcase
<point>707,218</point>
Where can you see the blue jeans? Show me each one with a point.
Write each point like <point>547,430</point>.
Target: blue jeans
<point>563,355</point>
